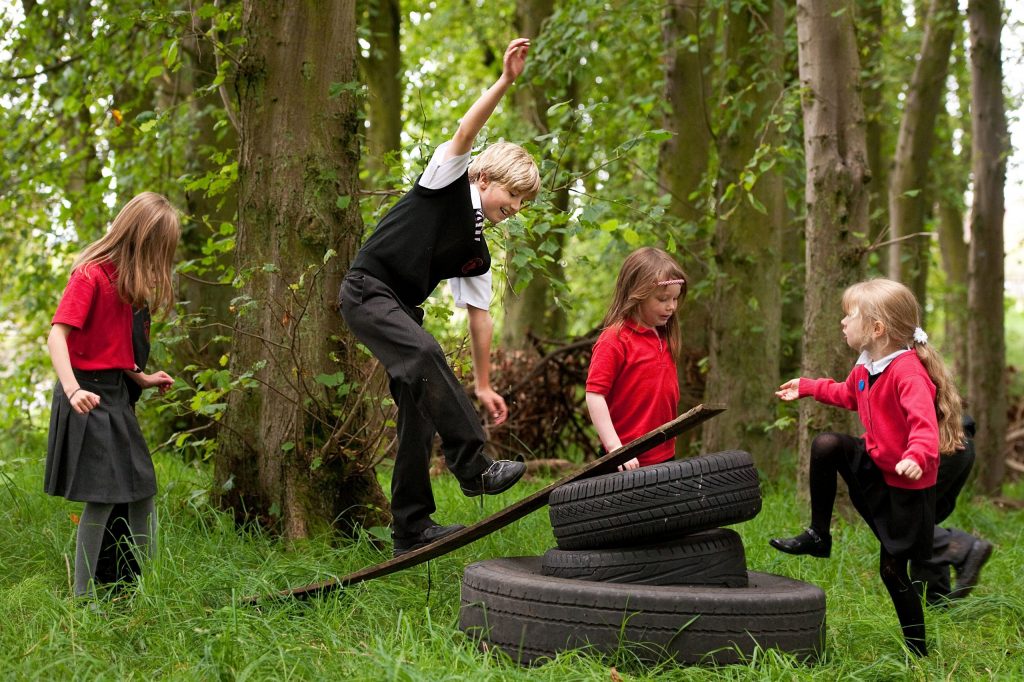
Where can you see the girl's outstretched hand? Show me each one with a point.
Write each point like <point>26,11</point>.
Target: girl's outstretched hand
<point>909,469</point>
<point>789,390</point>
<point>515,58</point>
<point>161,380</point>
<point>83,401</point>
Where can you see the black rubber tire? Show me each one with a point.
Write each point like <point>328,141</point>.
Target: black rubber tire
<point>655,503</point>
<point>711,557</point>
<point>508,604</point>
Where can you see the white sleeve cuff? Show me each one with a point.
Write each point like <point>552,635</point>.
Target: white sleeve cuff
<point>440,173</point>
<point>472,291</point>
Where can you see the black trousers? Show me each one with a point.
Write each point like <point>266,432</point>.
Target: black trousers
<point>428,396</point>
<point>950,545</point>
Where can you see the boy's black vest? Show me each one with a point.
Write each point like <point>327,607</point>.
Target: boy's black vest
<point>428,236</point>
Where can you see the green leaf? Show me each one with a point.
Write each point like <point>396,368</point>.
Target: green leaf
<point>330,379</point>
<point>154,71</point>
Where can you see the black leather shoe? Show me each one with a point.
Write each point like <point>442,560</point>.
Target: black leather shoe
<point>497,478</point>
<point>809,542</point>
<point>968,574</point>
<point>427,536</point>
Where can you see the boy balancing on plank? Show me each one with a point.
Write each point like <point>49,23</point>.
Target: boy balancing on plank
<point>433,233</point>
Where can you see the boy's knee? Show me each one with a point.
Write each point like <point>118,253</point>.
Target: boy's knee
<point>419,365</point>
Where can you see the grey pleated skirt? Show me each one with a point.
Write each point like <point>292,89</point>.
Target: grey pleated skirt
<point>99,456</point>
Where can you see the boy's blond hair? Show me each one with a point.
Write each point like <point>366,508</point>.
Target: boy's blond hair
<point>510,166</point>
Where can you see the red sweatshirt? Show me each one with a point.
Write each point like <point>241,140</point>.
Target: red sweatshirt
<point>898,414</point>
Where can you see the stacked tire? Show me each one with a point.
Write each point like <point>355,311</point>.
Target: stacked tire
<point>643,564</point>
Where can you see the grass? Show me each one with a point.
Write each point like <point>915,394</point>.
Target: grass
<point>183,620</point>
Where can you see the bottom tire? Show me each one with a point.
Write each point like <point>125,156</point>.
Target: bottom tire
<point>711,557</point>
<point>510,605</point>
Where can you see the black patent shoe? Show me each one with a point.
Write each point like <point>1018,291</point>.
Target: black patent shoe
<point>497,478</point>
<point>809,542</point>
<point>427,536</point>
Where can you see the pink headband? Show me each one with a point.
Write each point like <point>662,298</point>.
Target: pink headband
<point>666,282</point>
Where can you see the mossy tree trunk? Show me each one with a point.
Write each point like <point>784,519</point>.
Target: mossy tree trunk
<point>745,329</point>
<point>836,196</point>
<point>986,327</point>
<point>291,453</point>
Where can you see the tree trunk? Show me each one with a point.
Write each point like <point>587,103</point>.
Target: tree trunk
<point>951,176</point>
<point>836,195</point>
<point>531,309</point>
<point>382,71</point>
<point>210,208</point>
<point>954,264</point>
<point>871,29</point>
<point>908,192</point>
<point>985,330</point>
<point>682,163</point>
<point>745,331</point>
<point>288,453</point>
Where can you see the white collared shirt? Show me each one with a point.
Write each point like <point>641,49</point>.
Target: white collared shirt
<point>878,366</point>
<point>474,291</point>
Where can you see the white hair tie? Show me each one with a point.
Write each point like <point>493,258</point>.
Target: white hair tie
<point>920,337</point>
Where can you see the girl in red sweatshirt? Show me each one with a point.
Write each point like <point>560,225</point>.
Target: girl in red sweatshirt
<point>911,411</point>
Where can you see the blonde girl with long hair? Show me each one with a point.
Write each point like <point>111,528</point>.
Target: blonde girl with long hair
<point>96,453</point>
<point>911,412</point>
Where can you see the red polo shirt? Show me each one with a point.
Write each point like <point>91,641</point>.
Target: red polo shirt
<point>634,370</point>
<point>101,323</point>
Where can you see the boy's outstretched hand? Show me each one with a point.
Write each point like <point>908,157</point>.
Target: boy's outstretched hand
<point>515,58</point>
<point>789,390</point>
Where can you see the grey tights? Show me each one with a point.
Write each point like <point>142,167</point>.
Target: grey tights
<point>91,527</point>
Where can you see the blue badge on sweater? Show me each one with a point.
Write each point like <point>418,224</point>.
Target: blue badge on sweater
<point>860,385</point>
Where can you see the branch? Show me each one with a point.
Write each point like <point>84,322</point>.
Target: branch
<point>875,247</point>
<point>223,91</point>
<point>46,69</point>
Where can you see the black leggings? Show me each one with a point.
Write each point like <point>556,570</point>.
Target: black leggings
<point>831,454</point>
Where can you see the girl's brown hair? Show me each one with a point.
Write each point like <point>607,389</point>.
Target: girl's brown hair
<point>140,243</point>
<point>895,306</point>
<point>638,279</point>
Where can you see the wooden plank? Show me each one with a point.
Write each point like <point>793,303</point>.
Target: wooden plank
<point>498,520</point>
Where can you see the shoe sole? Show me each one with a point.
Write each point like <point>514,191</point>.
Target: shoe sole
<point>973,564</point>
<point>477,493</point>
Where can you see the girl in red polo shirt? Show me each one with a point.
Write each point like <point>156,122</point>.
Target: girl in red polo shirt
<point>96,453</point>
<point>632,385</point>
<point>911,411</point>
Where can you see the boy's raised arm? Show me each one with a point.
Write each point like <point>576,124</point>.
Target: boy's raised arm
<point>512,65</point>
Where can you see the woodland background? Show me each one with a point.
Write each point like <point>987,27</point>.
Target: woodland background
<point>780,150</point>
